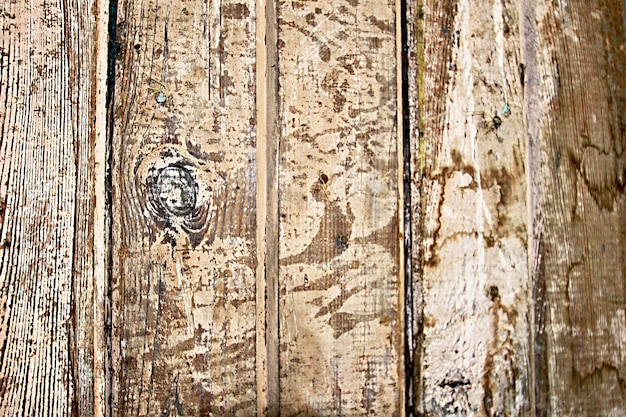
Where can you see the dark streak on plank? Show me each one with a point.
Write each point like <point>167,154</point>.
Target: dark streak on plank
<point>407,42</point>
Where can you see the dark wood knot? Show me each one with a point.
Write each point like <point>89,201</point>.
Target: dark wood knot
<point>182,193</point>
<point>176,190</point>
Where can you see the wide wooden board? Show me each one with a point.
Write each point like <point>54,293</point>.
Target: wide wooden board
<point>470,227</point>
<point>340,282</point>
<point>184,231</point>
<point>576,64</point>
<point>52,115</point>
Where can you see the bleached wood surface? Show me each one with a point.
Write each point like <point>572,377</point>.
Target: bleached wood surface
<point>469,162</point>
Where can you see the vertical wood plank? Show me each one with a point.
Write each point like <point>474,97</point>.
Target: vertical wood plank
<point>471,225</point>
<point>269,138</point>
<point>341,327</point>
<point>266,202</point>
<point>184,232</point>
<point>50,87</point>
<point>577,82</point>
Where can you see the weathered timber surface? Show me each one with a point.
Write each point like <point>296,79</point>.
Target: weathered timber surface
<point>472,290</point>
<point>576,65</point>
<point>341,344</point>
<point>184,232</point>
<point>49,92</point>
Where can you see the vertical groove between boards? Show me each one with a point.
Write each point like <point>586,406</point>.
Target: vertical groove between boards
<point>403,269</point>
<point>404,181</point>
<point>112,52</point>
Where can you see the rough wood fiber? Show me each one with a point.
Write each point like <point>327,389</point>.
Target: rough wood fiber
<point>184,256</point>
<point>576,59</point>
<point>470,242</point>
<point>341,344</point>
<point>48,97</point>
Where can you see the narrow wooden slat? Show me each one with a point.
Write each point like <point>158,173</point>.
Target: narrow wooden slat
<point>266,185</point>
<point>267,30</point>
<point>49,93</point>
<point>184,231</point>
<point>577,81</point>
<point>340,330</point>
<point>469,197</point>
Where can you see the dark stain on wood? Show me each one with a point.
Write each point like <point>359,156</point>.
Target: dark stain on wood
<point>494,381</point>
<point>235,11</point>
<point>176,190</point>
<point>334,225</point>
<point>324,52</point>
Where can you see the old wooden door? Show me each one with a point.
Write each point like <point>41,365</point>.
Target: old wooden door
<point>329,207</point>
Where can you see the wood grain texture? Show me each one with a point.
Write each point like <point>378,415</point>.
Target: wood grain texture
<point>184,259</point>
<point>470,232</point>
<point>49,88</point>
<point>577,81</point>
<point>341,344</point>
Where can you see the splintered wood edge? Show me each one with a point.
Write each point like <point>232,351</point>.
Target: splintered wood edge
<point>100,245</point>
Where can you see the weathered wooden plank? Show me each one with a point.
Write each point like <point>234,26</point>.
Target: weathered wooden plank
<point>184,297</point>
<point>341,344</point>
<point>268,399</point>
<point>576,65</point>
<point>51,86</point>
<point>470,237</point>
